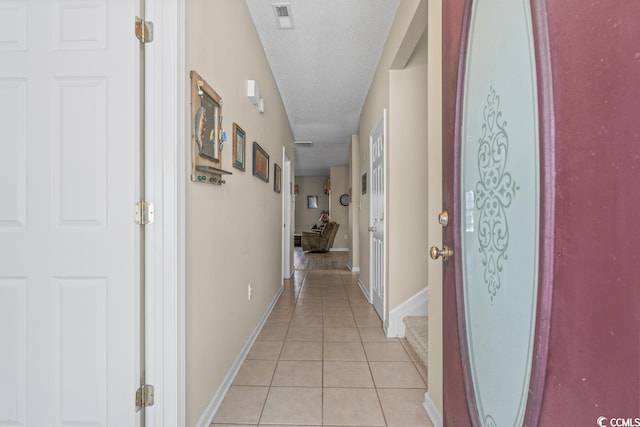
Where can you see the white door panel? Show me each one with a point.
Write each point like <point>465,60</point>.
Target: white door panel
<point>377,200</point>
<point>68,240</point>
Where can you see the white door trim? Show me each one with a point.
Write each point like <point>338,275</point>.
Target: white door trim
<point>165,188</point>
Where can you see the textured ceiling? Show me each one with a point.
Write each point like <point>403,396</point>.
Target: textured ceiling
<point>323,68</point>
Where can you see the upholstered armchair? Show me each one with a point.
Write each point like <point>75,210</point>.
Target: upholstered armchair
<point>320,241</point>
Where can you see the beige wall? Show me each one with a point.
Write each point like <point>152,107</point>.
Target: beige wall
<point>407,83</point>
<point>233,232</point>
<point>310,186</point>
<point>376,101</point>
<point>339,213</point>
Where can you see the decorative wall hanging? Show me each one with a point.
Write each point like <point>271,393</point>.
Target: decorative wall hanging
<point>207,136</point>
<point>364,183</point>
<point>277,178</point>
<point>260,162</point>
<point>312,202</point>
<point>239,137</point>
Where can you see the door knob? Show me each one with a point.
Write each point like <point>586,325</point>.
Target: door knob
<point>372,229</point>
<point>445,252</point>
<point>443,218</point>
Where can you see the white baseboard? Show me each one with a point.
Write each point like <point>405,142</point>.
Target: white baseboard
<point>365,290</point>
<point>353,269</point>
<point>432,411</point>
<point>339,250</point>
<point>417,305</point>
<point>214,404</point>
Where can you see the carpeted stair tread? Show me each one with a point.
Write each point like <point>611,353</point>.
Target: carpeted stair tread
<point>416,333</point>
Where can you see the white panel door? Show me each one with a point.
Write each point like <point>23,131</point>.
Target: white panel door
<point>376,139</point>
<point>68,240</point>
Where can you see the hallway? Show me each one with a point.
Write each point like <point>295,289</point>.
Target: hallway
<point>322,359</point>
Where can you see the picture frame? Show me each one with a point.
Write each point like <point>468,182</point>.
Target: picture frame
<point>277,178</point>
<point>239,138</point>
<point>260,162</point>
<point>312,202</point>
<point>364,183</point>
<point>207,136</point>
<point>206,109</point>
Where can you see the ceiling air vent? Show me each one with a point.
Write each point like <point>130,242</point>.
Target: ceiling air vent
<point>303,143</point>
<point>284,20</point>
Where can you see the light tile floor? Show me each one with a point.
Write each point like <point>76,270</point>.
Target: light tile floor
<point>322,359</point>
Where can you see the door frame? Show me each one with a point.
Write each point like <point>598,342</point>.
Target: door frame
<point>165,172</point>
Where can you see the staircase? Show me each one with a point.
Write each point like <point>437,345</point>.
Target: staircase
<point>416,333</point>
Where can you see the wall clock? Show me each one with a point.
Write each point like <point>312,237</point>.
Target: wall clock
<point>344,200</point>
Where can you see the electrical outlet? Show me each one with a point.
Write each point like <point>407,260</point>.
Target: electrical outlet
<point>249,291</point>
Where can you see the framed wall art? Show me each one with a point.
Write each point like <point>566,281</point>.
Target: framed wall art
<point>206,132</point>
<point>312,202</point>
<point>239,137</point>
<point>277,178</point>
<point>260,162</point>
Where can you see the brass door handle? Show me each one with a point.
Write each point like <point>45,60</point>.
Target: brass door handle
<point>445,252</point>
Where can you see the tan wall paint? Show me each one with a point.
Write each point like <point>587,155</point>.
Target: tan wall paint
<point>414,196</point>
<point>339,213</point>
<point>310,186</point>
<point>233,232</point>
<point>376,101</point>
<point>408,177</point>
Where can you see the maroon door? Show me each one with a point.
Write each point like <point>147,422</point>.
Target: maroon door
<point>586,365</point>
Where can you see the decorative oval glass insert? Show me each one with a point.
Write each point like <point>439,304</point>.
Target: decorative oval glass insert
<point>500,207</point>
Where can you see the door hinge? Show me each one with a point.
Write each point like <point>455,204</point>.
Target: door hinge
<point>144,30</point>
<point>144,396</point>
<point>144,213</point>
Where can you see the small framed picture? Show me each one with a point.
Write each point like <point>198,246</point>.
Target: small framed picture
<point>312,202</point>
<point>277,178</point>
<point>260,162</point>
<point>364,183</point>
<point>239,137</point>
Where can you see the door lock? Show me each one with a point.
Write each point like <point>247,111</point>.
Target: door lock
<point>443,218</point>
<point>436,253</point>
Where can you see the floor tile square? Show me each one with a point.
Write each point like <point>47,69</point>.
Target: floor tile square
<point>293,405</point>
<point>341,334</point>
<point>374,334</point>
<point>255,372</point>
<point>396,375</point>
<point>301,350</point>
<point>308,321</point>
<point>265,350</point>
<point>347,374</point>
<point>304,334</point>
<point>352,406</point>
<point>272,333</point>
<point>404,407</point>
<point>385,352</point>
<point>242,405</point>
<point>344,351</point>
<point>298,373</point>
<point>339,322</point>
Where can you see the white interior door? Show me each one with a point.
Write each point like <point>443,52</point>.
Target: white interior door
<point>377,140</point>
<point>68,241</point>
<point>286,215</point>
